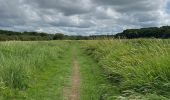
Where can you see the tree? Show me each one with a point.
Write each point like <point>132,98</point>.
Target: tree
<point>58,36</point>
<point>151,32</point>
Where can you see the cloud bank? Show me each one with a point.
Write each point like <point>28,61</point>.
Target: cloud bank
<point>82,17</point>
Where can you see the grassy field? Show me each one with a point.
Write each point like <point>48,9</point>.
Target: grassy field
<point>30,67</point>
<point>109,70</point>
<point>140,68</point>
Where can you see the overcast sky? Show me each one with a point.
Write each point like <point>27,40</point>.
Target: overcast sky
<point>82,17</point>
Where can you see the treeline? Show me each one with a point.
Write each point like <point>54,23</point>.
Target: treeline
<point>59,36</point>
<point>152,32</point>
<point>24,36</point>
<point>36,36</point>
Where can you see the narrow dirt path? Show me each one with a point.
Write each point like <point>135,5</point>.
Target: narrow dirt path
<point>73,91</point>
<point>75,80</point>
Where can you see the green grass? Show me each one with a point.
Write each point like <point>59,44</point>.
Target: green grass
<point>49,84</point>
<point>94,85</point>
<point>135,66</point>
<point>109,69</point>
<point>31,69</point>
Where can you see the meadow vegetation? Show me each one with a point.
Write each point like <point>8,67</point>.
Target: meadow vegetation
<point>109,69</point>
<point>139,68</point>
<point>20,61</point>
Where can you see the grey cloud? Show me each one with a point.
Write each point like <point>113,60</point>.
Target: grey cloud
<point>67,7</point>
<point>83,17</point>
<point>117,2</point>
<point>11,13</point>
<point>68,23</point>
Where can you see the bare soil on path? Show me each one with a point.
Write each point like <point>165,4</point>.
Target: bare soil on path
<point>73,92</point>
<point>75,79</point>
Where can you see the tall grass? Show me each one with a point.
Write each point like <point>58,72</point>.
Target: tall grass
<point>20,60</point>
<point>141,66</point>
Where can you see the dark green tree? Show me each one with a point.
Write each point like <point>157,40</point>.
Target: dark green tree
<point>58,36</point>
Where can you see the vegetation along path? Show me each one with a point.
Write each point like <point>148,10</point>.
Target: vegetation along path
<point>75,80</point>
<point>86,81</point>
<point>84,70</point>
<point>66,73</point>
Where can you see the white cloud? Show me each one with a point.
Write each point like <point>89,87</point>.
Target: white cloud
<point>82,16</point>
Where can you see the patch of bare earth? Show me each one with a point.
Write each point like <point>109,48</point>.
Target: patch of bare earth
<point>73,92</point>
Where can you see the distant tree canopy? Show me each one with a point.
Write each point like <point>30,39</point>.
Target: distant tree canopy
<point>152,32</point>
<point>24,36</point>
<point>58,36</point>
<point>35,36</point>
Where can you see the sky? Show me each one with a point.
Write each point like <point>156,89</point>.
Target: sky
<point>82,17</point>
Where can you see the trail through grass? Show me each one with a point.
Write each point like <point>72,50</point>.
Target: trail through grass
<point>87,79</point>
<point>75,78</point>
<point>85,70</point>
